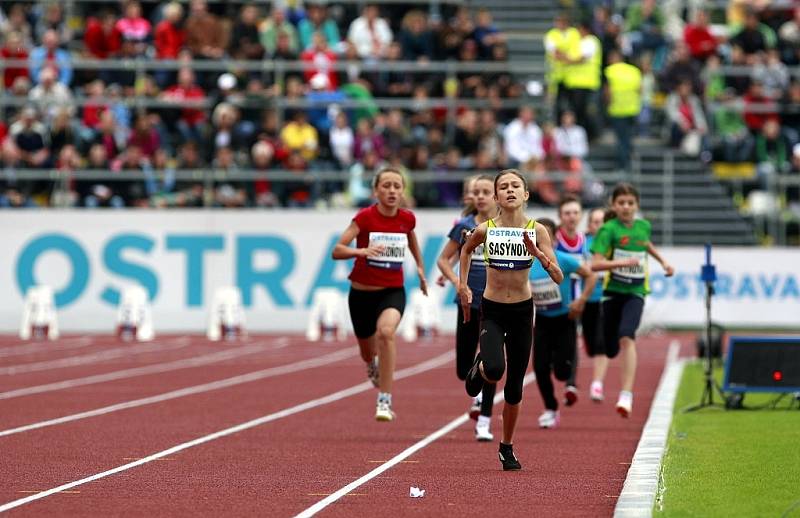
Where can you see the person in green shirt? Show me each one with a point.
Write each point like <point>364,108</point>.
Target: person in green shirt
<point>621,248</point>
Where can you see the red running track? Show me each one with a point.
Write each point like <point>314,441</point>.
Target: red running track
<point>284,466</point>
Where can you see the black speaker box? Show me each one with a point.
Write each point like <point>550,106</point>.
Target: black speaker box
<point>763,364</point>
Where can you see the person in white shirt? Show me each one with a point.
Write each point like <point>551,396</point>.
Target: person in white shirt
<point>342,141</point>
<point>523,145</point>
<point>572,144</point>
<point>370,34</point>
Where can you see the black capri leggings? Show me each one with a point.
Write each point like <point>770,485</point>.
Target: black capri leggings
<point>592,323</point>
<point>367,306</point>
<point>466,346</point>
<point>512,325</point>
<point>554,340</point>
<point>621,316</point>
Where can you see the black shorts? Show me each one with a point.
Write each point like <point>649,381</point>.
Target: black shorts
<point>366,306</point>
<point>592,323</point>
<point>622,314</point>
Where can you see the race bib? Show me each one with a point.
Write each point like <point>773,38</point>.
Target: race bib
<point>546,294</point>
<point>477,255</point>
<point>505,249</point>
<point>631,275</point>
<point>394,251</point>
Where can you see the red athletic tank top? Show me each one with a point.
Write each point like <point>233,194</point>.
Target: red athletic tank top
<point>392,232</point>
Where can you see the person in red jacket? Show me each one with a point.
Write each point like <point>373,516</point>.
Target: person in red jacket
<point>14,49</point>
<point>698,37</point>
<point>384,232</point>
<point>102,38</point>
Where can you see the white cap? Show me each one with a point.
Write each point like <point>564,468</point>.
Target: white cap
<point>319,81</point>
<point>226,81</point>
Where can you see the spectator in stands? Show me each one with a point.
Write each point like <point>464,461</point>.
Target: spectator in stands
<point>206,36</point>
<point>558,43</point>
<point>470,82</point>
<point>368,139</point>
<point>491,143</point>
<point>773,73</point>
<point>772,152</point>
<point>688,126</point>
<point>284,51</point>
<point>573,146</point>
<point>245,37</point>
<point>62,135</point>
<point>31,139</point>
<point>228,194</point>
<point>102,39</point>
<point>52,19</point>
<point>273,26</point>
<point>523,140</point>
<point>698,38</point>
<point>261,157</point>
<point>680,67</point>
<point>300,191</point>
<point>227,131</point>
<point>17,21</point>
<point>739,82</point>
<point>452,36</point>
<point>393,83</point>
<point>145,135</point>
<point>342,141</point>
<point>644,25</point>
<point>300,136</point>
<point>320,60</point>
<point>169,40</point>
<point>109,135</point>
<point>790,110</point>
<point>415,38</point>
<point>486,34</point>
<point>789,34</point>
<point>50,96</point>
<point>49,54</point>
<point>754,36</point>
<point>326,104</point>
<point>467,138</point>
<point>359,185</point>
<point>14,49</point>
<point>192,121</point>
<point>731,138</point>
<point>317,20</point>
<point>623,91</point>
<point>134,28</point>
<point>370,34</point>
<point>582,78</point>
<point>758,108</point>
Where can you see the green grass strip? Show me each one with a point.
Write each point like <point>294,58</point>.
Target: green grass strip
<point>730,462</point>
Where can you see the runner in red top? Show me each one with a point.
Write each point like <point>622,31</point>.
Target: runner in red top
<point>377,299</point>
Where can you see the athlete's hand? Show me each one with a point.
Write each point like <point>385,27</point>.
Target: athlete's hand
<point>531,246</point>
<point>630,262</point>
<point>423,283</point>
<point>465,295</point>
<point>576,309</point>
<point>669,271</point>
<point>372,250</point>
<point>441,281</point>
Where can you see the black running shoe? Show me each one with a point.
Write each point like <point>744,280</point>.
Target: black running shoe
<point>474,381</point>
<point>507,458</point>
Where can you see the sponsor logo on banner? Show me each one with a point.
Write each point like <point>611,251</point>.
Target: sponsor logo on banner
<point>181,257</point>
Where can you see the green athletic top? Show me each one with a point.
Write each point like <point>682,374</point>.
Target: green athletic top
<point>616,241</point>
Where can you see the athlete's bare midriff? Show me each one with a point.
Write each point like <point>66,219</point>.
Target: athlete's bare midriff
<point>507,286</point>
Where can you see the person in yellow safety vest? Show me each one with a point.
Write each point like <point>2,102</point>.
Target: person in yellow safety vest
<point>624,93</point>
<point>557,44</point>
<point>582,77</point>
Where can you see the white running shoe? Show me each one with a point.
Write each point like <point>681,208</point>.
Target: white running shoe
<point>596,391</point>
<point>475,409</point>
<point>373,373</point>
<point>482,433</point>
<point>549,419</point>
<point>383,412</point>
<point>625,404</point>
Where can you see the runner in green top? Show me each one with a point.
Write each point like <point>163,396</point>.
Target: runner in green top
<point>621,248</point>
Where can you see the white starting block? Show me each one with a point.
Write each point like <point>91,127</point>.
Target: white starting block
<point>328,317</point>
<point>422,316</point>
<point>134,316</point>
<point>226,321</point>
<point>39,319</point>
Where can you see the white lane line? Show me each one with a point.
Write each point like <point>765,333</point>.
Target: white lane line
<point>641,484</point>
<point>189,391</point>
<point>144,370</point>
<point>397,459</point>
<point>60,345</point>
<point>433,363</point>
<point>44,344</point>
<point>96,357</point>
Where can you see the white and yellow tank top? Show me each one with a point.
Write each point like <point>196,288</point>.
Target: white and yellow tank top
<point>503,248</point>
